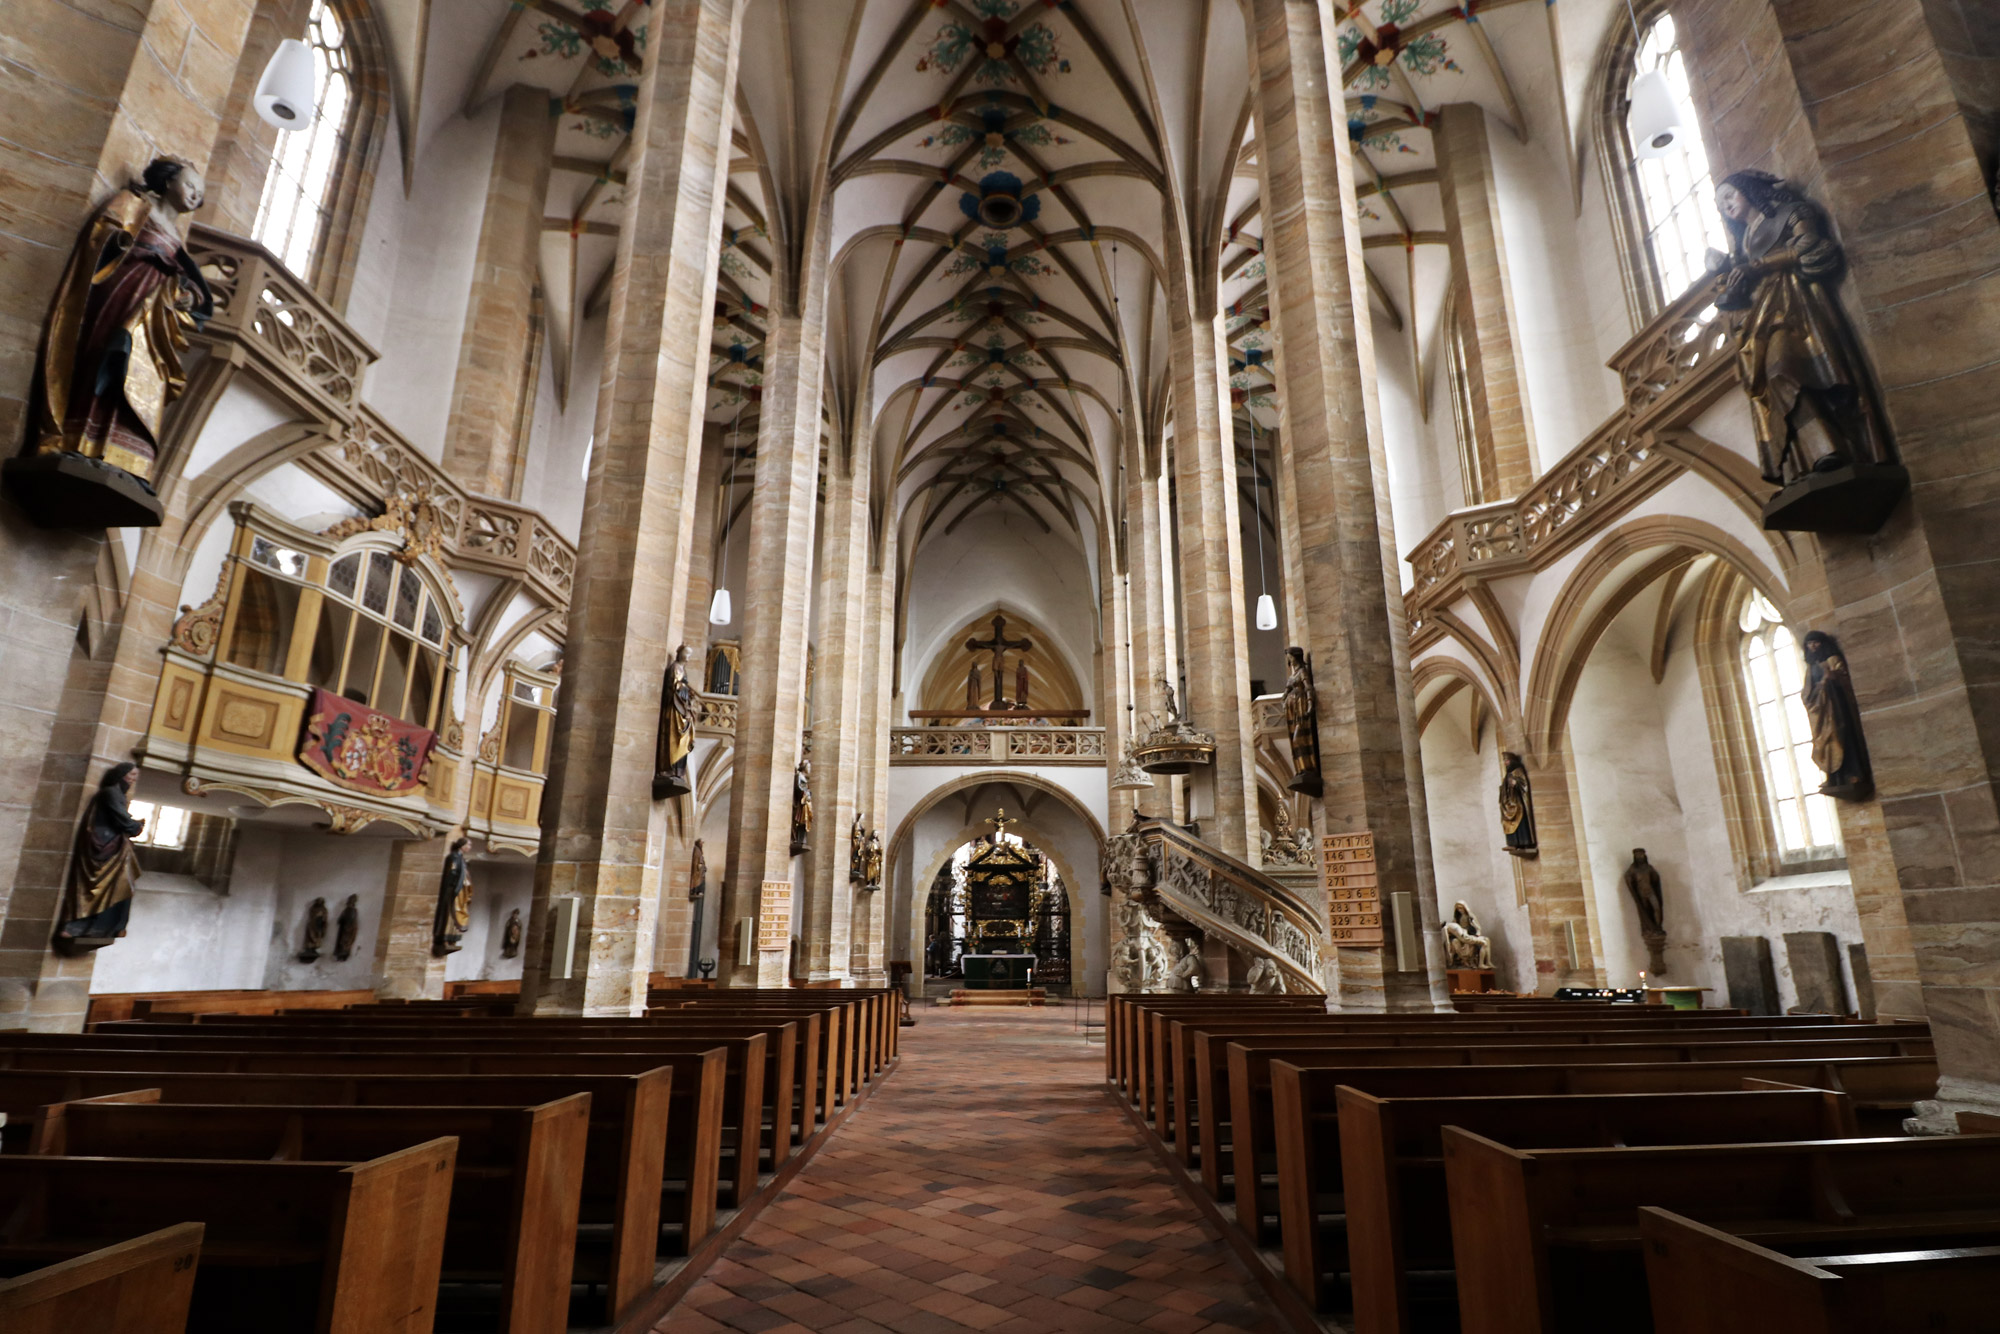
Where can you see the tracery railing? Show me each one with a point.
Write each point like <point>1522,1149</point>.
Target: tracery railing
<point>996,745</point>
<point>1673,369</point>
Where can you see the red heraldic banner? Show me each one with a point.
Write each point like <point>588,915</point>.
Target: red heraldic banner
<point>360,749</point>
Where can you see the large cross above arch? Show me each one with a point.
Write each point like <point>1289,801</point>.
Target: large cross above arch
<point>998,646</point>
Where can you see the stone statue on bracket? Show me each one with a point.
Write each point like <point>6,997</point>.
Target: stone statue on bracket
<point>1642,882</point>
<point>103,868</point>
<point>1187,973</point>
<point>347,929</point>
<point>316,921</point>
<point>1517,806</point>
<point>510,935</point>
<point>857,851</point>
<point>1465,945</point>
<point>678,716</point>
<point>454,904</point>
<point>802,807</point>
<point>110,363</point>
<point>1302,721</point>
<point>1822,437</point>
<point>973,698</point>
<point>1170,705</point>
<point>1838,746</point>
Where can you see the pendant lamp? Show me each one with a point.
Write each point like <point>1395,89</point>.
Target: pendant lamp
<point>286,94</point>
<point>1654,118</point>
<point>1267,612</point>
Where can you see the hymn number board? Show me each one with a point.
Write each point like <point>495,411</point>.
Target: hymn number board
<point>1353,893</point>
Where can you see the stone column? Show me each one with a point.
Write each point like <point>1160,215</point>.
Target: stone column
<point>1504,428</point>
<point>776,606</point>
<point>1344,599</point>
<point>405,968</point>
<point>871,911</point>
<point>1211,565</point>
<point>840,721</point>
<point>1896,164</point>
<point>494,394</point>
<point>1152,601</point>
<point>91,104</point>
<point>603,836</point>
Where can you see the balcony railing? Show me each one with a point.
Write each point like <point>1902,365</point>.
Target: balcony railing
<point>267,321</point>
<point>996,745</point>
<point>1670,372</point>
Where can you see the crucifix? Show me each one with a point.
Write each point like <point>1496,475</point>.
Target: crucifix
<point>998,646</point>
<point>1000,821</point>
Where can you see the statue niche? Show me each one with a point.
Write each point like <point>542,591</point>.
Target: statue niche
<point>1821,435</point>
<point>110,363</point>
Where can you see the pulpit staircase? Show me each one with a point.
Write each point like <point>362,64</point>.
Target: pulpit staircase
<point>1225,899</point>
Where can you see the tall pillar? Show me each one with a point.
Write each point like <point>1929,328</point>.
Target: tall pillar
<point>776,609</point>
<point>603,835</point>
<point>405,968</point>
<point>840,720</point>
<point>1151,597</point>
<point>1501,420</point>
<point>871,912</point>
<point>117,112</point>
<point>1211,565</point>
<point>1916,606</point>
<point>492,400</point>
<point>1345,603</point>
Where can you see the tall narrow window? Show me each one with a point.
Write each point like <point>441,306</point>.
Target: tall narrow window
<point>298,191</point>
<point>1458,377</point>
<point>1675,192</point>
<point>1804,821</point>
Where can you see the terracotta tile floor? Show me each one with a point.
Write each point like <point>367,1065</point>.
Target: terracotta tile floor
<point>988,1185</point>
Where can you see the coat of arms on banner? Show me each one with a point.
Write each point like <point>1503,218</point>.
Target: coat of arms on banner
<point>359,748</point>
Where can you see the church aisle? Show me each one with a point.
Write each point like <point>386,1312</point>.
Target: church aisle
<point>989,1185</point>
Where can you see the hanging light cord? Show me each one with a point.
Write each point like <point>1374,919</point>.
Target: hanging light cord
<point>728,498</point>
<point>1257,498</point>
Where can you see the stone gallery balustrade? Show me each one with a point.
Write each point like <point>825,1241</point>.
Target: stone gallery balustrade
<point>996,745</point>
<point>1670,372</point>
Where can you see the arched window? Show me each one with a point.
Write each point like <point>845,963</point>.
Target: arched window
<point>1804,823</point>
<point>298,191</point>
<point>1472,461</point>
<point>1664,207</point>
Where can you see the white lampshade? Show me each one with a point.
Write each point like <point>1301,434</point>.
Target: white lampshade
<point>719,610</point>
<point>286,94</point>
<point>1267,612</point>
<point>1654,120</point>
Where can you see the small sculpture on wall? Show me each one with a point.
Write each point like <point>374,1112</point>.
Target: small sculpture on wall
<point>1264,978</point>
<point>510,935</point>
<point>110,363</point>
<point>454,905</point>
<point>974,699</point>
<point>857,851</point>
<point>1517,806</point>
<point>677,721</point>
<point>1838,747</point>
<point>97,901</point>
<point>1822,437</point>
<point>347,929</point>
<point>1642,882</point>
<point>802,807</point>
<point>1170,705</point>
<point>1465,946</point>
<point>315,932</point>
<point>871,877</point>
<point>1186,973</point>
<point>698,896</point>
<point>1302,720</point>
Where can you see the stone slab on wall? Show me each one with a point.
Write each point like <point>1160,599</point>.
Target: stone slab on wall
<point>1815,960</point>
<point>1752,981</point>
<point>1864,981</point>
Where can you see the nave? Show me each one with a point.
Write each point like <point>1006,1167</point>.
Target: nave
<point>988,1186</point>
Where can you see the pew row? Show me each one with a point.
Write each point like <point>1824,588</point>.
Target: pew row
<point>141,1286</point>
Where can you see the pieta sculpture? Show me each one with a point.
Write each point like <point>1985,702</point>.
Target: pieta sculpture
<point>1465,946</point>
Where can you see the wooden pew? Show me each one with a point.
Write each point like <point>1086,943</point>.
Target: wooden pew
<point>1548,1239</point>
<point>1706,1281</point>
<point>162,1004</point>
<point>141,1286</point>
<point>1251,1121</point>
<point>619,1231</point>
<point>288,1247</point>
<point>488,1036</point>
<point>699,1137</point>
<point>1198,1074</point>
<point>516,1179</point>
<point>1391,1211</point>
<point>1125,1053</point>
